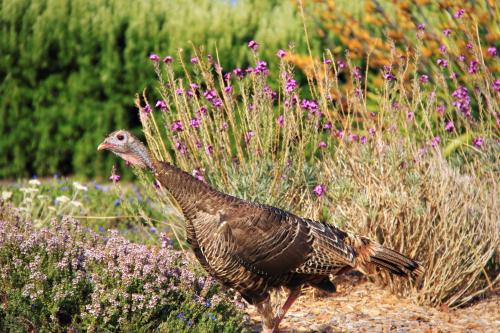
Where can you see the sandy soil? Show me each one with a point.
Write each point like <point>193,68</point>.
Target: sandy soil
<point>361,306</point>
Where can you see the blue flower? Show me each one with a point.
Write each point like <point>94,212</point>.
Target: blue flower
<point>213,317</point>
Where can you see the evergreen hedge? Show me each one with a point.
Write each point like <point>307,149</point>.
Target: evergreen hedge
<point>69,69</point>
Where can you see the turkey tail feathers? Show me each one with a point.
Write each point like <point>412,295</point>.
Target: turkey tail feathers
<point>371,253</point>
<point>395,262</point>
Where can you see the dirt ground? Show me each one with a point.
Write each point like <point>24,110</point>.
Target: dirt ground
<point>362,306</point>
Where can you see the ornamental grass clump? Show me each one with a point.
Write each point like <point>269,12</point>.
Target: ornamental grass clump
<point>67,278</point>
<point>390,166</point>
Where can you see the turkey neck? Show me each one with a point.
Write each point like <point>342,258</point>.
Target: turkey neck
<point>188,191</point>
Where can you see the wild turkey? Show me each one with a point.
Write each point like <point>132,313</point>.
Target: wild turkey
<point>254,248</point>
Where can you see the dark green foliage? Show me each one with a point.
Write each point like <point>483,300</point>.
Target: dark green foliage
<point>70,69</point>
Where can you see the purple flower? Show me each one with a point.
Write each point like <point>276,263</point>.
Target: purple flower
<point>261,68</point>
<point>291,85</point>
<point>210,95</point>
<point>194,60</point>
<point>446,32</point>
<point>327,62</point>
<point>168,60</point>
<point>492,51</point>
<point>469,45</point>
<point>461,58</point>
<point>496,85</point>
<point>473,66</point>
<point>319,190</point>
<point>449,126</point>
<point>281,120</point>
<point>462,100</point>
<point>177,126</point>
<point>440,108</point>
<point>363,140</point>
<point>224,126</point>
<point>453,75</point>
<point>410,116</point>
<point>269,92</point>
<point>281,53</point>
<point>353,137</point>
<point>357,73</point>
<point>371,131</point>
<point>442,48</point>
<point>388,76</point>
<point>341,64</point>
<point>248,136</point>
<point>115,177</point>
<point>194,123</point>
<point>217,103</point>
<point>209,149</point>
<point>322,144</point>
<point>227,76</point>
<point>239,72</point>
<point>421,26</point>
<point>327,125</point>
<point>442,63</point>
<point>179,91</point>
<point>435,141</point>
<point>424,78</point>
<point>194,86</point>
<point>202,111</point>
<point>181,147</point>
<point>478,141</point>
<point>459,13</point>
<point>253,45</point>
<point>228,89</point>
<point>161,104</point>
<point>154,57</point>
<point>198,174</point>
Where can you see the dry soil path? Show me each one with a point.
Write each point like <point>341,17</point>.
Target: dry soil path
<point>365,307</point>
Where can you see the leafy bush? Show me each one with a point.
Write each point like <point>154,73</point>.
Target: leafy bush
<point>66,278</point>
<point>69,67</point>
<point>418,174</point>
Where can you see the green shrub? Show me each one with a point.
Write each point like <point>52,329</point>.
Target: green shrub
<point>69,68</point>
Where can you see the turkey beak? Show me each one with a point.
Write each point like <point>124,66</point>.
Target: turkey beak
<point>104,145</point>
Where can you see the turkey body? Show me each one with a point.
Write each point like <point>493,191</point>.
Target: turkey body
<point>254,248</point>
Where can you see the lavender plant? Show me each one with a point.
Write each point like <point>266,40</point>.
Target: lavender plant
<point>324,152</point>
<point>67,278</point>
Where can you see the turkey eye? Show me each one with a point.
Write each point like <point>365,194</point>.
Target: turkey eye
<point>120,137</point>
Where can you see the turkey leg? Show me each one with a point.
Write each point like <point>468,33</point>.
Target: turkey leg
<point>292,297</point>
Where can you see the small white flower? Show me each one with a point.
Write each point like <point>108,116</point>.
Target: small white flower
<point>34,182</point>
<point>6,195</point>
<point>80,187</point>
<point>42,197</point>
<point>62,199</point>
<point>28,190</point>
<point>76,203</point>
